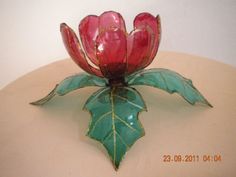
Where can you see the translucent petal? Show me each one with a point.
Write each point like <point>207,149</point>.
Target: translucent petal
<point>88,29</point>
<point>139,45</point>
<point>148,20</point>
<point>111,19</point>
<point>73,47</point>
<point>111,49</point>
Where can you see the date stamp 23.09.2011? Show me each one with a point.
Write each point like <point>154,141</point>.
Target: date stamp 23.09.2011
<point>191,158</point>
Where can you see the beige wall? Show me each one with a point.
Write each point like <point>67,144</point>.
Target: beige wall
<point>30,37</point>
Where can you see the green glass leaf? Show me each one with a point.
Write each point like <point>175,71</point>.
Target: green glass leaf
<point>72,83</point>
<point>115,119</point>
<point>169,81</point>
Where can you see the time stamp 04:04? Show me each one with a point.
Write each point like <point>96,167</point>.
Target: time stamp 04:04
<point>191,158</point>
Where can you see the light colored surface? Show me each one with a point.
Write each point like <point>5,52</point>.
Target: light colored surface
<point>30,35</point>
<point>50,141</point>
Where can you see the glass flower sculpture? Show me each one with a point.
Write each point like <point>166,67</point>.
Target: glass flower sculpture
<point>115,60</point>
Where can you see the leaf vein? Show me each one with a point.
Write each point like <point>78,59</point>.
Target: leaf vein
<point>122,140</point>
<point>126,123</point>
<point>93,99</point>
<point>113,124</point>
<point>164,80</point>
<point>99,119</point>
<point>130,102</point>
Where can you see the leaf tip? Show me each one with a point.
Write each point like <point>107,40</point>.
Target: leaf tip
<point>116,167</point>
<point>209,104</point>
<point>206,102</point>
<point>38,103</point>
<point>85,108</point>
<point>34,103</point>
<point>145,109</point>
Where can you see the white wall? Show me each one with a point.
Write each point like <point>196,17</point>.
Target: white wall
<point>30,37</point>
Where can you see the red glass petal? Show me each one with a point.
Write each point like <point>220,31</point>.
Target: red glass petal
<point>88,29</point>
<point>111,52</point>
<point>111,19</point>
<point>139,47</point>
<point>146,19</point>
<point>73,47</point>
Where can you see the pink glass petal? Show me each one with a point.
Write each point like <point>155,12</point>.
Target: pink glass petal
<point>111,19</point>
<point>111,52</point>
<point>146,19</point>
<point>73,47</point>
<point>88,29</point>
<point>139,45</point>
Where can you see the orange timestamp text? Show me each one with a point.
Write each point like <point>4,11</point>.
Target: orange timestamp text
<point>192,158</point>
